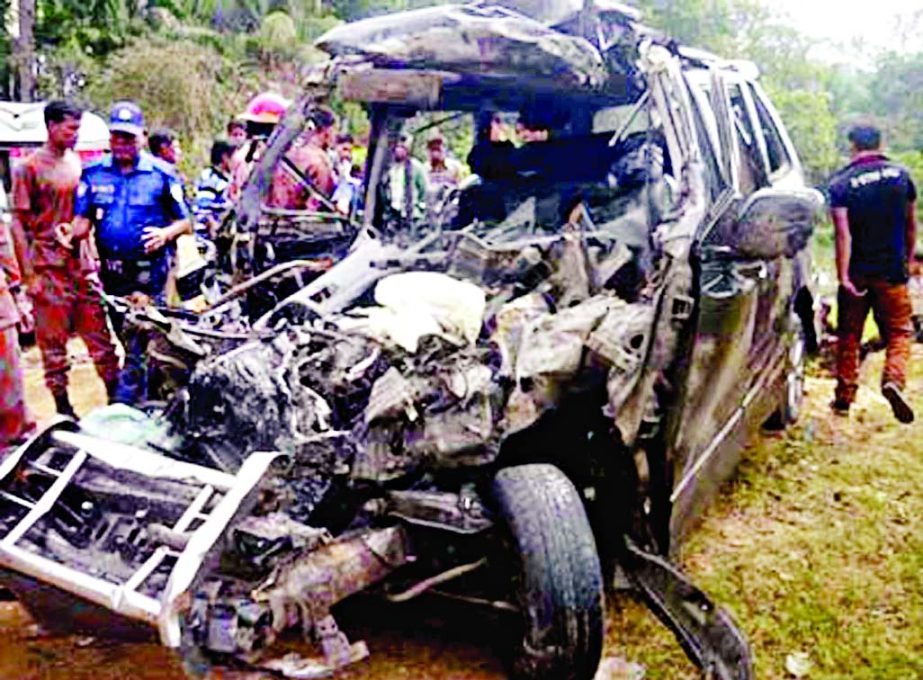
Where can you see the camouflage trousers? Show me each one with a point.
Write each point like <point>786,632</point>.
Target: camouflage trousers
<point>14,416</point>
<point>67,302</point>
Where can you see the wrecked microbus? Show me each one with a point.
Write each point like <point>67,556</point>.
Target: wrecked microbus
<point>517,390</point>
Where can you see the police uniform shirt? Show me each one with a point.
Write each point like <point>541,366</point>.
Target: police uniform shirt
<point>122,205</point>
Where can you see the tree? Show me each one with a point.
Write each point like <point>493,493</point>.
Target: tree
<point>896,99</point>
<point>747,29</point>
<point>25,49</point>
<point>813,128</point>
<point>184,86</point>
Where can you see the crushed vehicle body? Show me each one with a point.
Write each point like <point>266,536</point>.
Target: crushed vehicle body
<point>507,394</point>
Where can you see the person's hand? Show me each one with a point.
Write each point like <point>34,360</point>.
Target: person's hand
<point>138,300</point>
<point>64,235</point>
<point>851,289</point>
<point>154,238</point>
<point>26,317</point>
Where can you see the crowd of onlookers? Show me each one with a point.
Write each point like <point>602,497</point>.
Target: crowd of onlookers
<point>88,243</point>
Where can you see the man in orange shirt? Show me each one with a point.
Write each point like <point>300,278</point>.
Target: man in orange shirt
<point>299,183</point>
<point>63,286</point>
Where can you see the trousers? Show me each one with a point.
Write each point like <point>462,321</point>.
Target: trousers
<point>67,302</point>
<point>890,304</point>
<point>14,416</point>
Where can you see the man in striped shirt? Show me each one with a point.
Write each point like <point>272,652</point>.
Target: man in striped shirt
<point>211,189</point>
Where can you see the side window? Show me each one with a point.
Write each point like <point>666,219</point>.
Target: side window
<point>775,149</point>
<point>750,171</point>
<point>707,136</point>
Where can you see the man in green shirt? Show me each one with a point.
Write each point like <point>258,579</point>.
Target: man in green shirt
<point>407,183</point>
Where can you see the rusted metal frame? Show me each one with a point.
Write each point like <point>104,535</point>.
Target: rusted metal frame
<point>629,119</point>
<point>674,131</point>
<point>499,605</point>
<point>428,583</point>
<point>98,591</point>
<point>752,114</point>
<point>145,570</point>
<point>205,541</point>
<point>726,132</point>
<point>47,501</point>
<point>9,463</point>
<point>348,280</point>
<point>270,211</point>
<point>332,573</point>
<point>125,457</point>
<point>16,499</point>
<point>375,164</point>
<point>132,604</point>
<point>182,525</point>
<point>194,511</point>
<point>706,632</point>
<point>278,269</point>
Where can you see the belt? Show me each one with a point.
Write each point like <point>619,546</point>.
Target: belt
<point>118,266</point>
<point>144,274</point>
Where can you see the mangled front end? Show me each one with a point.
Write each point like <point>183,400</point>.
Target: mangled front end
<point>395,386</point>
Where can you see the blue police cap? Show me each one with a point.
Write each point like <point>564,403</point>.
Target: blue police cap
<point>126,117</point>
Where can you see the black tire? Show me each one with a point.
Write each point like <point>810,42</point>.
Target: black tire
<point>558,580</point>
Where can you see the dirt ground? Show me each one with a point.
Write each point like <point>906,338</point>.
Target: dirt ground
<point>838,591</point>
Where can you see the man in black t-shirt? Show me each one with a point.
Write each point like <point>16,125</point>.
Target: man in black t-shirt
<point>873,208</point>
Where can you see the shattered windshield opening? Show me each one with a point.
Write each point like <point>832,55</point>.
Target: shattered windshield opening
<point>518,173</point>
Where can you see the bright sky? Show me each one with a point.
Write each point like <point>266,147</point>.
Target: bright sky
<point>842,21</point>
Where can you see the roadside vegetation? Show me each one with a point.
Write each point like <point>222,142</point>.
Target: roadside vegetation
<point>815,547</point>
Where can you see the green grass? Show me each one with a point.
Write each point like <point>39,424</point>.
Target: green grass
<point>816,546</point>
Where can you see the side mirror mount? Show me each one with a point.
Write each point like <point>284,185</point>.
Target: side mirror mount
<point>774,223</point>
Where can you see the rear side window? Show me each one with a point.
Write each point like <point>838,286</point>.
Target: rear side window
<point>751,173</point>
<point>707,135</point>
<point>775,149</point>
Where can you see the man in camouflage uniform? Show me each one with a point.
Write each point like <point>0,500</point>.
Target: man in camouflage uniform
<point>63,285</point>
<point>14,315</point>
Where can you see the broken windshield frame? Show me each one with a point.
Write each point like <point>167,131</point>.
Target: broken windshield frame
<point>565,117</point>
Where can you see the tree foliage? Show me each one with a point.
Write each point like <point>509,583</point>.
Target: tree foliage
<point>747,29</point>
<point>812,126</point>
<point>93,44</point>
<point>896,99</point>
<point>184,86</point>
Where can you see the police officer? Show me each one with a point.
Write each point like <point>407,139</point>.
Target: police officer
<point>135,201</point>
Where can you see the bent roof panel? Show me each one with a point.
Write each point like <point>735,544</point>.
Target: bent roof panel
<point>475,39</point>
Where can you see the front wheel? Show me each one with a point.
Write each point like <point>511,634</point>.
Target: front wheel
<point>558,580</point>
